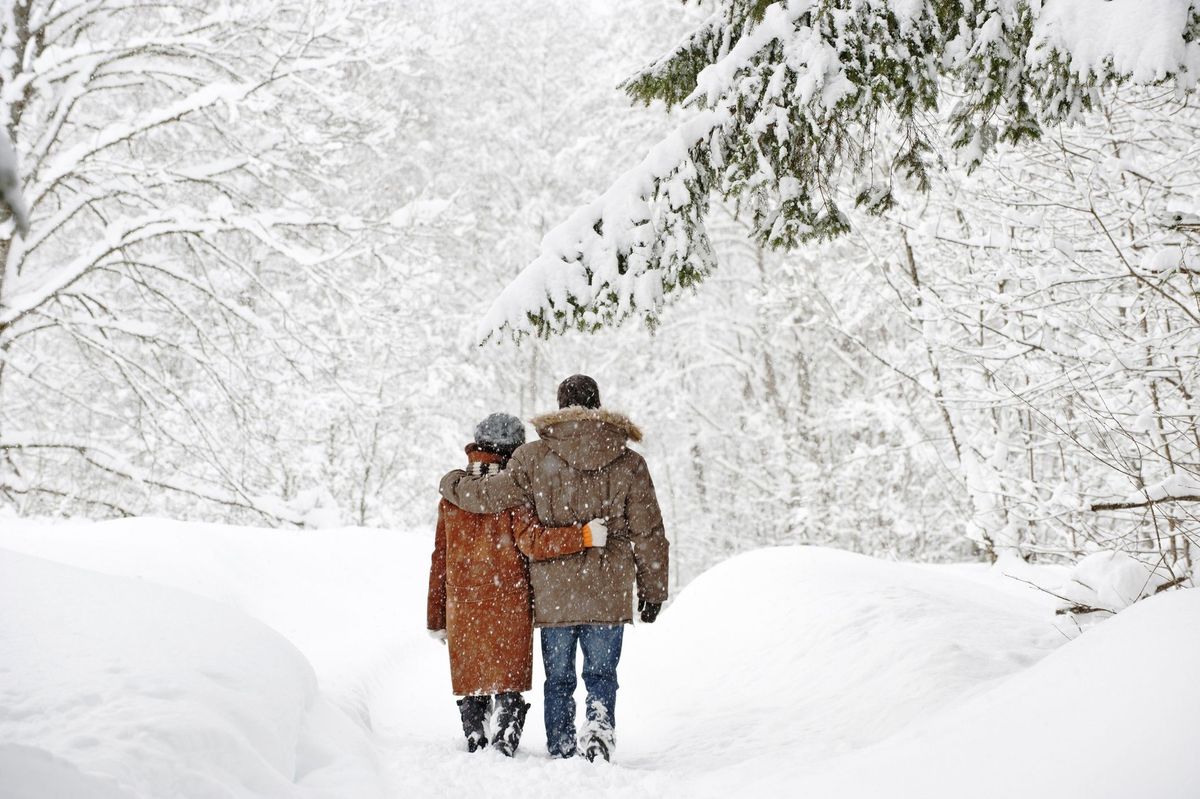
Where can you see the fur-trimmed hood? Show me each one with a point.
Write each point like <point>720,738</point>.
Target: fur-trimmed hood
<point>586,438</point>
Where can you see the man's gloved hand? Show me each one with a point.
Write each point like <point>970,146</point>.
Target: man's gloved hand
<point>595,533</point>
<point>648,610</point>
<point>438,635</point>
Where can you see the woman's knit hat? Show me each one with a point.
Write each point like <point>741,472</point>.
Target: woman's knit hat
<point>500,433</point>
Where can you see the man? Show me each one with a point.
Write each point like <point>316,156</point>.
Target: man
<point>581,472</point>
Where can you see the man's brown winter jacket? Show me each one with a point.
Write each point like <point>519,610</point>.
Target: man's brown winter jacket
<point>580,470</point>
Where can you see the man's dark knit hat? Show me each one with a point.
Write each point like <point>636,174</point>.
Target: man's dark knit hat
<point>578,390</point>
<point>500,433</point>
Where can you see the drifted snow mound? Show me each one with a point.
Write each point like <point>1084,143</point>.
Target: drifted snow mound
<point>784,672</point>
<point>30,773</point>
<point>815,652</point>
<point>809,672</point>
<point>1110,581</point>
<point>1112,714</point>
<point>352,600</point>
<point>114,687</point>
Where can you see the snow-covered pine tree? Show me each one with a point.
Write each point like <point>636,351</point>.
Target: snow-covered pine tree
<point>785,104</point>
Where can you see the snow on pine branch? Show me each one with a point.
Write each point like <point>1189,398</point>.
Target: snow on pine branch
<point>800,106</point>
<point>618,254</point>
<point>1146,40</point>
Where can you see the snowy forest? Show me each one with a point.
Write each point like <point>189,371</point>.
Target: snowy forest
<point>253,283</point>
<point>916,280</point>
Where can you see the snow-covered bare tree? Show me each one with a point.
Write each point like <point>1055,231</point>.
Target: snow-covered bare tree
<point>148,314</point>
<point>1057,291</point>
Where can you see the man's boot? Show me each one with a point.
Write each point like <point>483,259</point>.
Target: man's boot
<point>474,710</point>
<point>508,722</point>
<point>597,739</point>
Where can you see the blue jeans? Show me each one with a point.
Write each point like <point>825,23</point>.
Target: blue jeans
<point>601,645</point>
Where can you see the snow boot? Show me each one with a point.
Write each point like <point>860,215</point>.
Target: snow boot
<point>597,741</point>
<point>508,722</point>
<point>597,738</point>
<point>474,710</point>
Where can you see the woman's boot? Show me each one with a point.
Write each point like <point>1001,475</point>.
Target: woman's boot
<point>511,708</point>
<point>474,710</point>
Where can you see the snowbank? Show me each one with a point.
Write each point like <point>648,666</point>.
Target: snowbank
<point>119,687</point>
<point>1111,714</point>
<point>818,652</point>
<point>809,672</point>
<point>782,672</point>
<point>352,600</point>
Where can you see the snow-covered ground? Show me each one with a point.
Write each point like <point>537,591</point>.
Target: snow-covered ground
<point>151,658</point>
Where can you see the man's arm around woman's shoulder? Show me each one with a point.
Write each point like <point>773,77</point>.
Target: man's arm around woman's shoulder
<point>491,493</point>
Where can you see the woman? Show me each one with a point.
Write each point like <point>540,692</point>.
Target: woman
<point>479,597</point>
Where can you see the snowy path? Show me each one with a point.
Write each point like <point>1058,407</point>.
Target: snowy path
<point>782,672</point>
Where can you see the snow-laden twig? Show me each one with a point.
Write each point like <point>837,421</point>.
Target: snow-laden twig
<point>109,461</point>
<point>1180,487</point>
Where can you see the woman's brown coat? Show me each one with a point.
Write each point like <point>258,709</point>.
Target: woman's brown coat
<point>479,591</point>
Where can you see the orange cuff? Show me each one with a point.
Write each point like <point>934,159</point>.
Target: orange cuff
<point>587,536</point>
